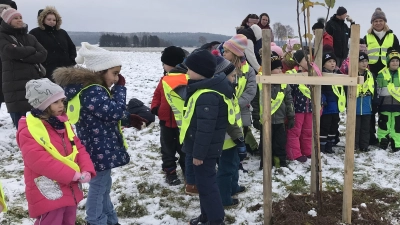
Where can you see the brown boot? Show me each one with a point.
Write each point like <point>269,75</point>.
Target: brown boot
<point>191,190</point>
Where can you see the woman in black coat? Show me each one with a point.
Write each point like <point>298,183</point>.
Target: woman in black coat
<point>60,48</point>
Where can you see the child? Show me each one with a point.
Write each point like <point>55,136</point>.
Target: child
<point>98,121</point>
<point>335,102</point>
<point>365,93</point>
<point>169,131</point>
<point>135,106</point>
<point>389,102</point>
<point>282,107</point>
<point>299,138</point>
<point>203,130</point>
<point>54,158</point>
<point>3,206</point>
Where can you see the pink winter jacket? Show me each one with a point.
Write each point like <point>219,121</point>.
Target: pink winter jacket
<point>38,162</point>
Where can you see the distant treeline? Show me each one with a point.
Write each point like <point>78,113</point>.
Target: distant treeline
<point>112,40</point>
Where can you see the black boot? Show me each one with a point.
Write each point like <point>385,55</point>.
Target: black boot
<point>384,143</point>
<point>198,220</point>
<point>327,148</point>
<point>171,177</point>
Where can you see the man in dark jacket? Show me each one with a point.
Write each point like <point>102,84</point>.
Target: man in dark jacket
<point>338,29</point>
<point>137,107</point>
<point>203,130</point>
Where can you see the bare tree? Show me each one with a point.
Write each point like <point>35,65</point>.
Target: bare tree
<point>290,31</point>
<point>280,31</point>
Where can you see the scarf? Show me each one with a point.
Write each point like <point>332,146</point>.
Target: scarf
<point>380,34</point>
<point>57,122</point>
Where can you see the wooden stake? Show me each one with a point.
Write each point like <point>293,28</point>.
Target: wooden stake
<point>350,126</point>
<point>266,122</point>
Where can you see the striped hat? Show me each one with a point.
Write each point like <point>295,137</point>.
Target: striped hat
<point>237,44</point>
<point>9,14</point>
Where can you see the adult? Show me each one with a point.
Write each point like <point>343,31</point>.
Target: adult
<point>20,53</point>
<point>249,21</point>
<point>264,24</point>
<point>253,35</point>
<point>61,50</point>
<point>338,29</point>
<point>378,39</point>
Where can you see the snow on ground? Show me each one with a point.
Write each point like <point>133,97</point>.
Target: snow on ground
<point>139,192</point>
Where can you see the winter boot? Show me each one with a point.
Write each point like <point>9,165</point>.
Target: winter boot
<point>241,190</point>
<point>191,190</point>
<point>327,148</point>
<point>235,202</point>
<point>364,149</point>
<point>384,143</point>
<point>241,168</point>
<point>171,177</point>
<point>198,220</point>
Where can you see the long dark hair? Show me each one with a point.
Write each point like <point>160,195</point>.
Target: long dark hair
<point>265,14</point>
<point>250,16</point>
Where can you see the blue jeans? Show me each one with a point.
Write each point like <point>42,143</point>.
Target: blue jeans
<point>15,116</point>
<point>99,208</point>
<point>189,171</point>
<point>210,199</point>
<point>228,175</point>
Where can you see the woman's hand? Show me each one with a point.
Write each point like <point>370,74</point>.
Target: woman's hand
<point>197,162</point>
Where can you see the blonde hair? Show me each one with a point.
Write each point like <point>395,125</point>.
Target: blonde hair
<point>385,28</point>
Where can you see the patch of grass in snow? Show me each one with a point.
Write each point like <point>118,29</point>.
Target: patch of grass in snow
<point>146,188</point>
<point>176,214</point>
<point>332,185</point>
<point>361,178</point>
<point>298,185</point>
<point>80,221</point>
<point>15,214</point>
<point>230,219</point>
<point>130,207</point>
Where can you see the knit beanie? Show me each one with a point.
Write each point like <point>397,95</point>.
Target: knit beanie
<point>341,11</point>
<point>172,56</point>
<point>237,44</point>
<point>9,14</point>
<point>362,56</point>
<point>277,49</point>
<point>42,93</point>
<point>224,66</point>
<point>202,62</point>
<point>392,53</point>
<point>275,61</point>
<point>298,56</point>
<point>327,56</point>
<point>96,58</point>
<point>320,24</point>
<point>378,14</point>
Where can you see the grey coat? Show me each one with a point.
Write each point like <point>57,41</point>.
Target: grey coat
<point>247,96</point>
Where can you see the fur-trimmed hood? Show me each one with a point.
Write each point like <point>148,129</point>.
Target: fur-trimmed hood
<point>49,10</point>
<point>75,78</point>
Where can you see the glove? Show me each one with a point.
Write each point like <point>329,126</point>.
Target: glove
<point>85,177</point>
<point>290,122</point>
<point>257,124</point>
<point>77,176</point>
<point>154,110</point>
<point>121,80</point>
<point>137,121</point>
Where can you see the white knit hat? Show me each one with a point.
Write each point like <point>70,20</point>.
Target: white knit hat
<point>42,92</point>
<point>96,58</point>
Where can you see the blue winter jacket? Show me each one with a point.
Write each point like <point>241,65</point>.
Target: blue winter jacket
<point>97,127</point>
<point>330,99</point>
<point>364,102</point>
<point>206,133</point>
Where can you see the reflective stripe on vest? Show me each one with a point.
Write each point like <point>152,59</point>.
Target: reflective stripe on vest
<point>376,51</point>
<point>275,103</point>
<point>170,82</point>
<point>39,133</point>
<point>302,87</point>
<point>368,85</point>
<point>242,81</point>
<point>74,110</point>
<point>3,200</point>
<point>228,142</point>
<point>341,96</point>
<point>393,90</point>
<point>189,111</point>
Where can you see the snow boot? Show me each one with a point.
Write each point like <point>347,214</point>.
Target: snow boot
<point>235,202</point>
<point>384,143</point>
<point>171,177</point>
<point>191,190</point>
<point>198,220</point>
<point>327,148</point>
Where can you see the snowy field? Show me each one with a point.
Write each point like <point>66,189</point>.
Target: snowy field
<point>139,192</point>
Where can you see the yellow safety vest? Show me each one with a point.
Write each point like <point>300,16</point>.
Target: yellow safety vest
<point>341,97</point>
<point>368,85</point>
<point>3,200</point>
<point>303,88</point>
<point>74,109</point>
<point>393,90</point>
<point>242,81</point>
<point>173,99</point>
<point>228,142</point>
<point>189,111</point>
<point>275,103</point>
<point>39,133</point>
<point>376,51</point>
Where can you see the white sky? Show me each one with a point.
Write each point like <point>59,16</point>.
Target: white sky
<point>213,16</point>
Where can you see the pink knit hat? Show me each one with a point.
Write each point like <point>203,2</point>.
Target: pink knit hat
<point>237,44</point>
<point>9,14</point>
<point>277,49</point>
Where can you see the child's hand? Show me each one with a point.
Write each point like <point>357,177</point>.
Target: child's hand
<point>85,177</point>
<point>77,176</point>
<point>197,162</point>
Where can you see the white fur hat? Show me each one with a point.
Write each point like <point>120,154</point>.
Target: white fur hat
<point>96,58</point>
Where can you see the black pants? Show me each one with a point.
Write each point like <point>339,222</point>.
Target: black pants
<point>278,132</point>
<point>169,139</point>
<point>363,123</point>
<point>329,126</point>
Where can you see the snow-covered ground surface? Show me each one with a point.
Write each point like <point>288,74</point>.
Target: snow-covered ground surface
<point>139,192</point>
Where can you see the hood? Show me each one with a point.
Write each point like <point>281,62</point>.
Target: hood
<point>257,31</point>
<point>42,15</point>
<point>336,19</point>
<point>218,83</point>
<point>8,29</point>
<point>180,68</point>
<point>74,79</point>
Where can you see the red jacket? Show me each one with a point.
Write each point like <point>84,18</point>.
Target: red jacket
<point>38,162</point>
<point>327,39</point>
<point>165,114</point>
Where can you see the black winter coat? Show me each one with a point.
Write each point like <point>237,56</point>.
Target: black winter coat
<point>206,133</point>
<point>135,106</point>
<point>340,33</point>
<point>61,51</point>
<point>18,65</point>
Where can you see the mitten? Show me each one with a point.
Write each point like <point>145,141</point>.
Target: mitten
<point>137,121</point>
<point>121,80</point>
<point>257,124</point>
<point>154,110</point>
<point>77,176</point>
<point>290,122</point>
<point>85,177</point>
